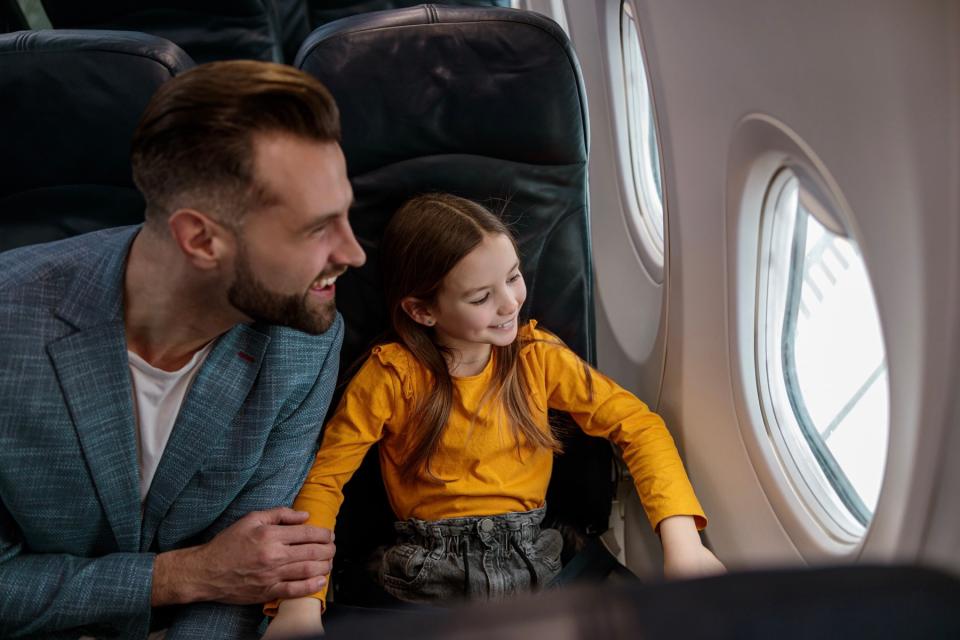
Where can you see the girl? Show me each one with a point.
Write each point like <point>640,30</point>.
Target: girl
<point>459,405</point>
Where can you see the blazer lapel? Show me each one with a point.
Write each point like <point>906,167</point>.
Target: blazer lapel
<point>92,369</point>
<point>211,404</point>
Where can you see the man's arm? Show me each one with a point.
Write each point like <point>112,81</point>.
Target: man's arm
<point>43,593</point>
<point>262,556</point>
<point>283,467</point>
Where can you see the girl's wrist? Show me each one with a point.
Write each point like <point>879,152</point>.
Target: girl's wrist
<point>678,533</point>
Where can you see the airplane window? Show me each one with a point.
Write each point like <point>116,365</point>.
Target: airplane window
<point>821,357</point>
<point>647,210</point>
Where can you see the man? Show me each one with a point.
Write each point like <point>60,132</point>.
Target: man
<point>162,387</point>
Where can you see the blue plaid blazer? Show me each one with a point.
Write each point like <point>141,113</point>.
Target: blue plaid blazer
<point>76,548</point>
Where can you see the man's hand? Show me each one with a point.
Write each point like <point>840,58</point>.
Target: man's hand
<point>262,556</point>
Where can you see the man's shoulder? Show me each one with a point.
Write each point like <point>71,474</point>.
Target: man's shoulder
<point>299,352</point>
<point>287,338</point>
<point>31,272</point>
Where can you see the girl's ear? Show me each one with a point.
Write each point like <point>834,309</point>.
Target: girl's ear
<point>418,310</point>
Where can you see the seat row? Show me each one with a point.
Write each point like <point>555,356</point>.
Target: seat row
<point>270,30</point>
<point>485,103</point>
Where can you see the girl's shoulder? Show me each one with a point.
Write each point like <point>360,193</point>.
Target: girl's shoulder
<point>535,340</point>
<point>392,355</point>
<point>394,359</point>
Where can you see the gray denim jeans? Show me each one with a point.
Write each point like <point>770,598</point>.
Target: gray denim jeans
<point>481,557</point>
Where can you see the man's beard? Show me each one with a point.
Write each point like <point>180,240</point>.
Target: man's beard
<point>254,299</point>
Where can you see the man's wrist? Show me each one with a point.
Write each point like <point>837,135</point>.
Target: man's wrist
<point>176,578</point>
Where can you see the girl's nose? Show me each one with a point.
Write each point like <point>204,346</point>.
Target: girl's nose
<point>508,305</point>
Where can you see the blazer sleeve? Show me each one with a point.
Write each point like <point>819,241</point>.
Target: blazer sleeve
<point>44,593</point>
<point>282,469</point>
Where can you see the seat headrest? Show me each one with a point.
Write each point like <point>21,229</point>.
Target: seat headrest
<point>323,12</point>
<point>429,80</point>
<point>486,103</point>
<point>207,31</point>
<point>75,100</point>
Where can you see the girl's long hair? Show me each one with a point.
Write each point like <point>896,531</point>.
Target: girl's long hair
<point>425,239</point>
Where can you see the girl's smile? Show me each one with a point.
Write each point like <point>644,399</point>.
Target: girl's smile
<point>479,300</point>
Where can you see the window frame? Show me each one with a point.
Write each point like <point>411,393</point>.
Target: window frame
<point>650,240</point>
<point>810,466</point>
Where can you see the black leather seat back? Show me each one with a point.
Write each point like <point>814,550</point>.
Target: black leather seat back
<point>487,104</point>
<point>12,17</point>
<point>209,30</point>
<point>72,102</point>
<point>324,11</point>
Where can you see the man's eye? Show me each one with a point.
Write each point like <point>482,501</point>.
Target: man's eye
<point>481,300</point>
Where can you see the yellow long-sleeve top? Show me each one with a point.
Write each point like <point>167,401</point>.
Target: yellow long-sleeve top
<point>478,458</point>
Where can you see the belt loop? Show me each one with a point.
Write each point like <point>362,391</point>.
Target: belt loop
<point>439,543</point>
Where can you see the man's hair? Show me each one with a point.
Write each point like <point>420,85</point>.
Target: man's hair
<point>194,144</point>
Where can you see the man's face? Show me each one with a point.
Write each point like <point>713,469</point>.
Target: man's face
<point>291,250</point>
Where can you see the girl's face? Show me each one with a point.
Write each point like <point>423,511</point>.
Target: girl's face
<point>479,300</point>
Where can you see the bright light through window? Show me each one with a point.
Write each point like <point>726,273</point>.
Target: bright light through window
<point>826,372</point>
<point>642,133</point>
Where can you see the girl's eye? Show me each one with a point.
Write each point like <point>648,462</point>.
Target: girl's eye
<point>515,277</point>
<point>481,300</point>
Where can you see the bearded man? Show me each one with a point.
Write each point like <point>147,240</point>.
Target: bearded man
<point>163,385</point>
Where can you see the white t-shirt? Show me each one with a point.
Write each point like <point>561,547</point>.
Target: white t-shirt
<point>157,396</point>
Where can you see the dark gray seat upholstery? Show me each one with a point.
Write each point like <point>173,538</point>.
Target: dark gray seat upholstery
<point>72,102</point>
<point>487,104</point>
<point>324,11</point>
<point>209,30</point>
<point>835,603</point>
<point>12,17</point>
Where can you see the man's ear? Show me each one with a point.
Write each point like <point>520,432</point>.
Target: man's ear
<point>418,310</point>
<point>202,240</point>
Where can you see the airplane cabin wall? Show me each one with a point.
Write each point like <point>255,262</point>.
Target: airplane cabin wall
<point>873,87</point>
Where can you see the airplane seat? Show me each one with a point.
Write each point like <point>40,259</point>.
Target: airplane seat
<point>324,11</point>
<point>12,17</point>
<point>76,98</point>
<point>294,21</point>
<point>487,104</point>
<point>207,31</point>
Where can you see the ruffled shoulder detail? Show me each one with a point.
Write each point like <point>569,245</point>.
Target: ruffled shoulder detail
<point>530,336</point>
<point>395,356</point>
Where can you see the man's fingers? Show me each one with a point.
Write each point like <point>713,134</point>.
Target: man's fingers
<point>309,552</point>
<point>304,570</point>
<point>280,515</point>
<point>302,534</point>
<point>296,589</point>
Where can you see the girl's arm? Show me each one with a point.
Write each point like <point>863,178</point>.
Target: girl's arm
<point>603,408</point>
<point>684,555</point>
<point>296,618</point>
<point>367,405</point>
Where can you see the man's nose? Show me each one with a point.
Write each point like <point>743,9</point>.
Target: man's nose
<point>349,252</point>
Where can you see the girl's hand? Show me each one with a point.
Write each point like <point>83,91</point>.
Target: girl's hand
<point>691,563</point>
<point>297,618</point>
<point>684,555</point>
